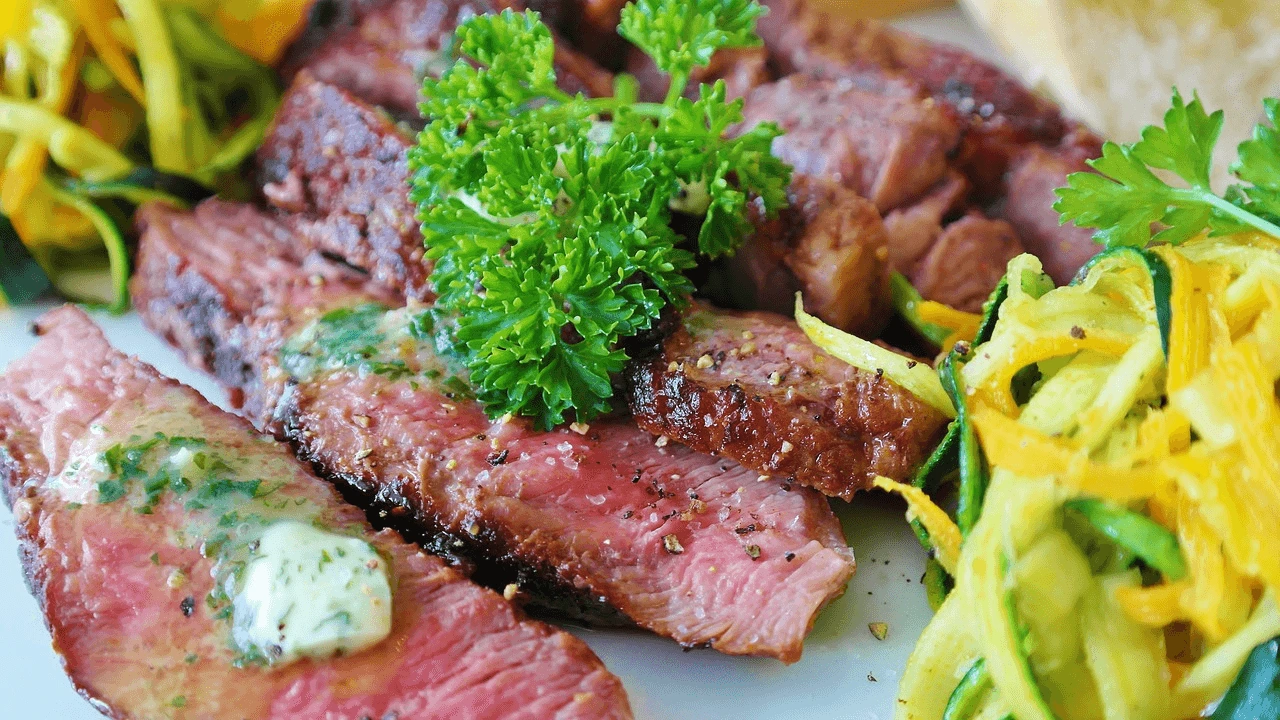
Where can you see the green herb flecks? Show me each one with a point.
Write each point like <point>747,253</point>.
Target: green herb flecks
<point>1127,198</point>
<point>548,215</point>
<point>134,461</point>
<point>369,338</point>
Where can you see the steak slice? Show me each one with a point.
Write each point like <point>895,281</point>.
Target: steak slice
<point>381,49</point>
<point>966,262</point>
<point>832,252</point>
<point>888,146</point>
<point>1063,249</point>
<point>1001,115</point>
<point>914,228</point>
<point>126,580</point>
<point>829,244</point>
<point>206,322</point>
<point>340,169</point>
<point>587,520</point>
<point>752,387</point>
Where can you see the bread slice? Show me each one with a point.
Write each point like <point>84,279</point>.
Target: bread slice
<point>1113,63</point>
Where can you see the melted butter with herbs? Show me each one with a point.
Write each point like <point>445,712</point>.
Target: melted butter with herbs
<point>310,593</point>
<point>289,583</point>
<point>371,339</point>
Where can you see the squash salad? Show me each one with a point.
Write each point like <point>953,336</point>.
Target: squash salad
<point>107,103</point>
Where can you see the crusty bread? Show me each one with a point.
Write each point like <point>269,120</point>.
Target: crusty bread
<point>1112,63</point>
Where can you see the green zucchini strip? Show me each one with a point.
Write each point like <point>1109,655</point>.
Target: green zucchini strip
<point>973,472</point>
<point>967,698</point>
<point>906,301</point>
<point>991,311</point>
<point>112,239</point>
<point>1150,541</point>
<point>21,277</point>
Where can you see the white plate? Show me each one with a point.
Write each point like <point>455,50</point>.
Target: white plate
<point>846,674</point>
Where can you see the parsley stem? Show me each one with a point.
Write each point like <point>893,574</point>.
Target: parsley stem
<point>611,105</point>
<point>1228,208</point>
<point>679,81</point>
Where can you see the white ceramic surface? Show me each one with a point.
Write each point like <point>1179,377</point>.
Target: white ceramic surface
<point>846,674</point>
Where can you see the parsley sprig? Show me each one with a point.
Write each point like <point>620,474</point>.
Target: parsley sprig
<point>548,215</point>
<point>1128,199</point>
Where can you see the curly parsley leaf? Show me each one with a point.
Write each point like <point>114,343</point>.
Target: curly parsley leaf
<point>1128,204</point>
<point>548,216</point>
<point>680,36</point>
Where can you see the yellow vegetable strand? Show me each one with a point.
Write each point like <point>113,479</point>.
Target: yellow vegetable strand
<point>24,167</point>
<point>1189,334</point>
<point>162,81</point>
<point>943,532</point>
<point>917,378</point>
<point>15,21</point>
<point>1026,452</point>
<point>96,17</point>
<point>265,35</point>
<point>71,146</point>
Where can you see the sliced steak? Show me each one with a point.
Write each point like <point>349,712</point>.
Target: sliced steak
<point>340,169</point>
<point>1002,114</point>
<point>833,252</point>
<point>966,262</point>
<point>132,579</point>
<point>914,228</point>
<point>829,244</point>
<point>1029,205</point>
<point>381,49</point>
<point>683,544</point>
<point>591,25</point>
<point>752,387</point>
<point>888,147</point>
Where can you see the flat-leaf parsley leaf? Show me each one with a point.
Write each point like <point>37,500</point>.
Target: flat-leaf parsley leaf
<point>548,215</point>
<point>1129,204</point>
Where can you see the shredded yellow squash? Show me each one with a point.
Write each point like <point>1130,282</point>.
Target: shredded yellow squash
<point>92,91</point>
<point>1111,439</point>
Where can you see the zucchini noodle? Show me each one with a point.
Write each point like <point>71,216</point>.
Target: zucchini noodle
<point>1126,559</point>
<point>103,102</point>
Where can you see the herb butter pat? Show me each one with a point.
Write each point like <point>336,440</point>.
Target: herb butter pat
<point>310,593</point>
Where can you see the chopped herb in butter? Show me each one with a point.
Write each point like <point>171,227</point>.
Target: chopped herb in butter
<point>310,593</point>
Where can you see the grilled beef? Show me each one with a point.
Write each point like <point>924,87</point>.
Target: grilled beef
<point>966,262</point>
<point>1029,206</point>
<point>1015,148</point>
<point>914,228</point>
<point>340,169</point>
<point>381,49</point>
<point>888,146</point>
<point>752,387</point>
<point>829,244</point>
<point>1002,113</point>
<point>126,577</point>
<point>592,519</point>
